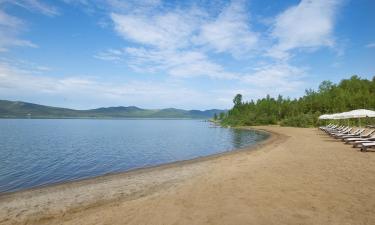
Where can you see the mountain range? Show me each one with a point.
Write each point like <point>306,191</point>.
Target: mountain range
<point>18,109</point>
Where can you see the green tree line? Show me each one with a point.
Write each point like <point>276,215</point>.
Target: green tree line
<point>348,94</point>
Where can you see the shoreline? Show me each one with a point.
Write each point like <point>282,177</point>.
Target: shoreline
<point>108,118</point>
<point>297,176</point>
<point>146,169</point>
<point>38,194</point>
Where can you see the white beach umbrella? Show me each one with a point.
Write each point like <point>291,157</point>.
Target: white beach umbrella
<point>345,115</point>
<point>327,117</point>
<point>361,113</point>
<point>330,117</point>
<point>340,116</point>
<point>335,116</point>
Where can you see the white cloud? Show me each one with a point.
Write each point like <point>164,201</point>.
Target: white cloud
<point>181,41</point>
<point>176,63</point>
<point>114,55</point>
<point>9,21</point>
<point>24,66</point>
<point>309,24</point>
<point>370,45</point>
<point>171,30</point>
<point>177,41</point>
<point>77,2</point>
<point>87,92</point>
<point>186,63</point>
<point>230,31</point>
<point>133,5</point>
<point>11,26</point>
<point>272,78</point>
<point>35,6</point>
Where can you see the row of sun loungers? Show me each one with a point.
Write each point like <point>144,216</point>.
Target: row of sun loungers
<point>359,138</point>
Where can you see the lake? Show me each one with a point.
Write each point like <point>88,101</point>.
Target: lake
<point>36,152</point>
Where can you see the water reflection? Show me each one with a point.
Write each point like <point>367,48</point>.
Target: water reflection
<point>239,136</point>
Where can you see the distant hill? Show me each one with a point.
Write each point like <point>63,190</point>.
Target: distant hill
<point>16,109</point>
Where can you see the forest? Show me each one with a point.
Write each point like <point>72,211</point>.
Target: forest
<point>348,94</point>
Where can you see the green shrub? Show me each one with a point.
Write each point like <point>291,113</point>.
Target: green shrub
<point>302,120</point>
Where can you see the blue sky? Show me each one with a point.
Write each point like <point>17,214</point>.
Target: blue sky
<point>184,54</point>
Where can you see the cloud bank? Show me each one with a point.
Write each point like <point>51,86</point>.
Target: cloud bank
<point>193,41</point>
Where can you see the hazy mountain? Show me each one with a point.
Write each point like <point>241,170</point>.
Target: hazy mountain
<point>16,109</point>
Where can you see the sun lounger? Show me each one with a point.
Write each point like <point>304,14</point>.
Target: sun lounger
<point>341,128</point>
<point>370,134</point>
<point>356,133</point>
<point>344,131</point>
<point>324,127</point>
<point>341,134</point>
<point>367,145</point>
<point>333,128</point>
<point>360,142</point>
<point>337,129</point>
<point>329,126</point>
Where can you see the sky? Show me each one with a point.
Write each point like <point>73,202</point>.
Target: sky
<point>184,54</point>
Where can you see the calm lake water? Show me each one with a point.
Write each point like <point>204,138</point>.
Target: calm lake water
<point>40,152</point>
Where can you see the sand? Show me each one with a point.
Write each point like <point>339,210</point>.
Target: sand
<point>298,176</point>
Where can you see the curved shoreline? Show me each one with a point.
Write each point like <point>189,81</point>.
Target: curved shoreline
<point>43,202</point>
<point>154,167</point>
<point>297,176</point>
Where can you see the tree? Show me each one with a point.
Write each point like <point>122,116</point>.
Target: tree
<point>215,116</point>
<point>325,86</point>
<point>348,94</point>
<point>237,100</point>
<point>221,115</point>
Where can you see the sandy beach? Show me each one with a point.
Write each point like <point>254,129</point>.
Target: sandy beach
<point>297,176</point>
